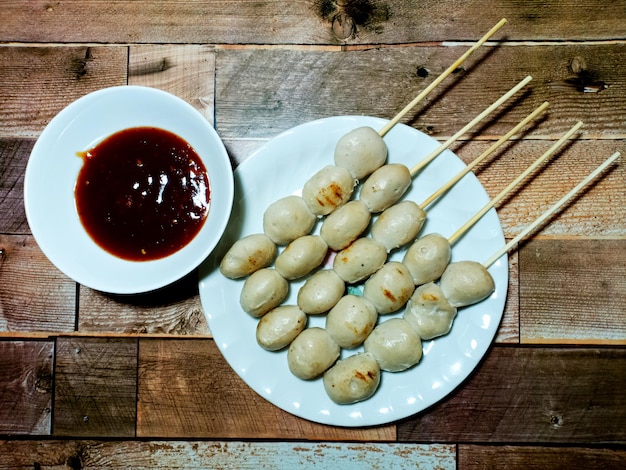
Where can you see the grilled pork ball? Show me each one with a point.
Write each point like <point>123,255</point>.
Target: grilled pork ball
<point>389,288</point>
<point>466,282</point>
<point>287,219</point>
<point>359,260</point>
<point>328,189</point>
<point>351,321</point>
<point>429,312</point>
<point>301,256</point>
<point>262,291</point>
<point>385,187</point>
<point>321,292</point>
<point>395,345</point>
<point>345,224</point>
<point>353,379</point>
<point>398,224</point>
<point>361,151</point>
<point>427,258</point>
<point>311,353</point>
<point>247,255</point>
<point>280,326</point>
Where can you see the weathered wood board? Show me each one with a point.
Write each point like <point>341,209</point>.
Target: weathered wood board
<point>532,395</point>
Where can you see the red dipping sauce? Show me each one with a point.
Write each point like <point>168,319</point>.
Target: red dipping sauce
<point>142,194</point>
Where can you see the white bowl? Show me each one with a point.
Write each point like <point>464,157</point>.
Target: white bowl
<point>53,169</point>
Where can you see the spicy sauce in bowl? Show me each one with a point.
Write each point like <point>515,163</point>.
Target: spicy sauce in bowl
<point>142,193</point>
<point>135,213</point>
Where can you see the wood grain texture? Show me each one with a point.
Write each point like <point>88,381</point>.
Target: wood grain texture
<point>34,295</point>
<point>186,388</point>
<point>284,87</point>
<point>174,309</point>
<point>26,392</point>
<point>37,82</point>
<point>13,158</point>
<point>584,216</point>
<point>473,457</point>
<point>573,291</point>
<point>532,395</point>
<point>185,71</point>
<point>224,454</point>
<point>316,22</point>
<point>95,387</point>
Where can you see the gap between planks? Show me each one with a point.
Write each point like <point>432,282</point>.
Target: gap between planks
<point>26,335</point>
<point>321,47</point>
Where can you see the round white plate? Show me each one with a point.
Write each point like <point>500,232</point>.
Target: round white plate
<point>280,168</point>
<point>53,168</point>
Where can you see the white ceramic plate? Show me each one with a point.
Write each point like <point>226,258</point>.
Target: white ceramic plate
<point>280,168</point>
<point>53,168</point>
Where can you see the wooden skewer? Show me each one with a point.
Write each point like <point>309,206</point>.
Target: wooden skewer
<point>440,78</point>
<point>484,155</point>
<point>455,236</point>
<point>551,210</point>
<point>468,126</point>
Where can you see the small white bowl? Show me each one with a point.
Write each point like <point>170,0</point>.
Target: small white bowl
<point>53,169</point>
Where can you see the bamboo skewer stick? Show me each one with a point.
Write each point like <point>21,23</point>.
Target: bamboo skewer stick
<point>441,77</point>
<point>426,160</point>
<point>551,210</point>
<point>452,239</point>
<point>484,155</point>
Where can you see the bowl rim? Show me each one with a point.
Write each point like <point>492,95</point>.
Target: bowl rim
<point>85,261</point>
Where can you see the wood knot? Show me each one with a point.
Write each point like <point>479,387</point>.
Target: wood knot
<point>577,64</point>
<point>555,420</point>
<point>343,26</point>
<point>43,383</point>
<point>347,16</point>
<point>586,81</point>
<point>422,72</point>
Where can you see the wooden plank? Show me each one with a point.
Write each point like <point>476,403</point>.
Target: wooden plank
<point>95,387</point>
<point>35,296</point>
<point>185,71</point>
<point>598,211</point>
<point>573,291</point>
<point>37,82</point>
<point>532,395</point>
<point>14,155</point>
<point>279,88</point>
<point>26,391</point>
<point>317,22</point>
<point>187,390</point>
<point>224,454</point>
<point>174,309</point>
<point>545,458</point>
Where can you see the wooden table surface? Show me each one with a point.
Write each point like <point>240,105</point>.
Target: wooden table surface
<point>95,380</point>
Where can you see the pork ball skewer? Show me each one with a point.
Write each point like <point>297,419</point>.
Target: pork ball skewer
<point>361,152</point>
<point>428,256</point>
<point>396,226</point>
<point>351,320</point>
<point>257,251</point>
<point>389,294</point>
<point>397,348</point>
<point>432,308</point>
<point>366,255</point>
<point>425,260</point>
<point>279,227</point>
<point>462,284</point>
<point>394,283</point>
